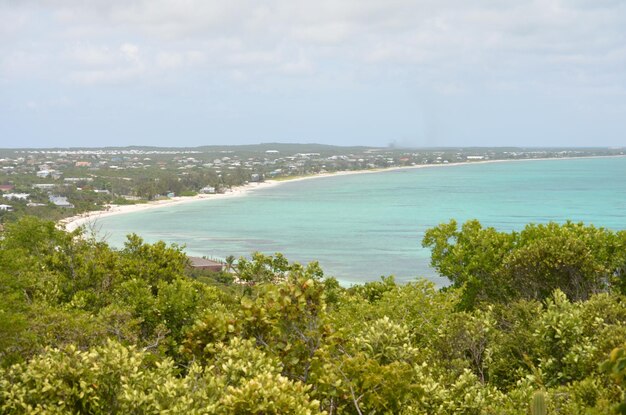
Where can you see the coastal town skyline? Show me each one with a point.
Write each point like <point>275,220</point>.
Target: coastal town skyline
<point>413,74</point>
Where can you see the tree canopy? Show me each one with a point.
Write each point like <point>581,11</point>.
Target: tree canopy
<point>498,266</point>
<point>532,318</point>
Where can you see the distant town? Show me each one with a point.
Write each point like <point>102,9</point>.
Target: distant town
<point>57,183</point>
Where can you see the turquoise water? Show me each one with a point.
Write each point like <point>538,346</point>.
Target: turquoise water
<point>360,227</point>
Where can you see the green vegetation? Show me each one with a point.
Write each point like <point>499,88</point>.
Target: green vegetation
<point>496,266</point>
<point>533,323</point>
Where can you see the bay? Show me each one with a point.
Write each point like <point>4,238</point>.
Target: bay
<point>362,226</point>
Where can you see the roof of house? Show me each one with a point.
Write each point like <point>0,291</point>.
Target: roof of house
<point>60,201</point>
<point>197,262</point>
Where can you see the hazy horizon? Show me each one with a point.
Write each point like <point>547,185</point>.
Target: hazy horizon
<point>415,74</point>
<point>318,144</point>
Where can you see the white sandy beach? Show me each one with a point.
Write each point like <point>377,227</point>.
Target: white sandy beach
<point>87,218</point>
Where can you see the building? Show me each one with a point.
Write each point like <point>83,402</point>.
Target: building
<point>208,190</point>
<point>61,201</point>
<point>131,198</point>
<point>6,187</point>
<point>43,173</point>
<point>16,196</point>
<point>196,262</point>
<point>78,179</point>
<point>6,208</point>
<point>44,186</point>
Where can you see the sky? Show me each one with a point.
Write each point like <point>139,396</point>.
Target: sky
<point>417,73</point>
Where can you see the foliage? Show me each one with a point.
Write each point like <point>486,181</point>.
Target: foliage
<point>496,266</point>
<point>116,379</point>
<point>85,328</point>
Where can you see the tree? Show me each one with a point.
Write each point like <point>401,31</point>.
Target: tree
<point>470,258</point>
<point>497,266</point>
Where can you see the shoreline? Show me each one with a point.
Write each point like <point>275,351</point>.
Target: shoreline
<point>73,222</point>
<point>84,219</point>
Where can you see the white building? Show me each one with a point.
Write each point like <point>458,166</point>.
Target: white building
<point>44,186</point>
<point>60,201</point>
<point>43,173</point>
<point>78,179</point>
<point>16,196</point>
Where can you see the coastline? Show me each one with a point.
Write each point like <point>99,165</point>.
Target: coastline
<point>84,219</point>
<point>73,222</point>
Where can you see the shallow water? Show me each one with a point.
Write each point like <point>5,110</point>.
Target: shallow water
<point>362,226</point>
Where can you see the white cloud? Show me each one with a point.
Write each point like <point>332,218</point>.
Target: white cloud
<point>131,52</point>
<point>300,66</point>
<point>442,39</point>
<point>168,60</point>
<point>324,33</point>
<point>96,65</point>
<point>90,55</point>
<point>112,76</point>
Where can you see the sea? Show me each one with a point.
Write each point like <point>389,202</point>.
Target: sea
<point>363,226</point>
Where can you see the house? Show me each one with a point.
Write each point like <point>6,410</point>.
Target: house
<point>16,196</point>
<point>196,262</point>
<point>6,208</point>
<point>131,198</point>
<point>6,187</point>
<point>60,201</point>
<point>43,173</point>
<point>208,190</point>
<point>44,186</point>
<point>78,179</point>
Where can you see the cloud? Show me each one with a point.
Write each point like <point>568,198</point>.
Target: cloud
<point>168,60</point>
<point>300,66</point>
<point>442,39</point>
<point>20,63</point>
<point>130,52</point>
<point>106,65</point>
<point>110,77</point>
<point>91,55</point>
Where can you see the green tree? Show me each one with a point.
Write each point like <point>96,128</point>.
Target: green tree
<point>494,266</point>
